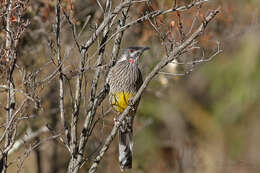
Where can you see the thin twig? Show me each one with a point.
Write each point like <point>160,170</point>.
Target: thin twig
<point>75,165</point>
<point>119,35</point>
<point>147,80</point>
<point>20,91</point>
<point>105,22</point>
<point>27,138</point>
<point>150,15</point>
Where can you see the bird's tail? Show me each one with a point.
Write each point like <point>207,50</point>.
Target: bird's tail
<point>126,143</point>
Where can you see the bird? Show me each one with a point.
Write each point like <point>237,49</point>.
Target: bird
<point>124,80</point>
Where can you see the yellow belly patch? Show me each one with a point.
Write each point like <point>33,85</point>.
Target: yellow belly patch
<point>120,100</point>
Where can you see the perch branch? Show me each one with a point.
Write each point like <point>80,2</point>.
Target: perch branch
<point>177,52</point>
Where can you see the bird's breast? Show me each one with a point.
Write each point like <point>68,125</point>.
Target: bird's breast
<point>124,81</point>
<point>124,77</point>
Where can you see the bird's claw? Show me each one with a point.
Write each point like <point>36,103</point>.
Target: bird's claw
<point>117,122</point>
<point>131,104</point>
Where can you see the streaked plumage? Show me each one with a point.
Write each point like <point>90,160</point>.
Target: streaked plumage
<point>124,80</point>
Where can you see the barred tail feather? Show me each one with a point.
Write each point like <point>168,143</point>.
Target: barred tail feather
<point>125,149</point>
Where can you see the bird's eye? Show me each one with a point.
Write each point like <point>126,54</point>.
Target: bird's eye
<point>131,50</point>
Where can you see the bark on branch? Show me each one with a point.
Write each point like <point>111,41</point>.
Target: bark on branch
<point>177,52</point>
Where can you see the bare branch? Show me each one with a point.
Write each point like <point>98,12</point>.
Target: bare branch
<point>100,6</point>
<point>10,106</point>
<point>20,91</point>
<point>10,124</point>
<point>150,15</point>
<point>29,136</point>
<point>149,77</point>
<point>61,80</point>
<point>75,164</point>
<point>31,148</point>
<point>94,102</point>
<point>105,22</point>
<point>119,35</point>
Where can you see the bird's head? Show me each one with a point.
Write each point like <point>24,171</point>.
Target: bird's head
<point>132,54</point>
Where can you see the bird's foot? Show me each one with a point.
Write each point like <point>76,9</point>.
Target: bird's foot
<point>116,122</point>
<point>131,104</point>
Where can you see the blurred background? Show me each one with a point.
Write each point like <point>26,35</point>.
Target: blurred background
<point>205,121</point>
